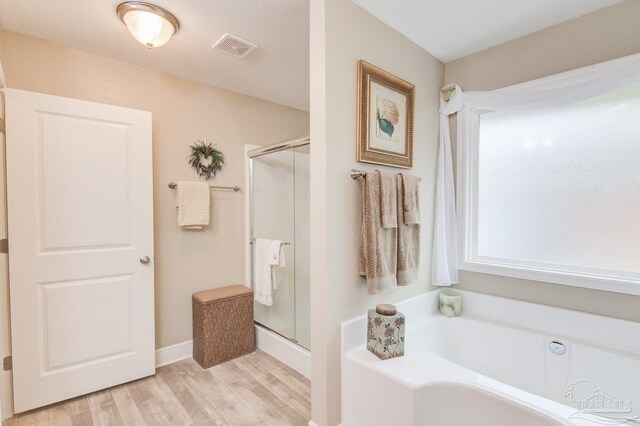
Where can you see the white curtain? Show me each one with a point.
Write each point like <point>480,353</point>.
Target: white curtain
<point>444,266</point>
<point>550,92</point>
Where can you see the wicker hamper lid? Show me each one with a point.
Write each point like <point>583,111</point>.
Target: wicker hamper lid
<point>216,294</point>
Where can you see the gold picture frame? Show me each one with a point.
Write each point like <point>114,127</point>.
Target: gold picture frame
<point>385,118</point>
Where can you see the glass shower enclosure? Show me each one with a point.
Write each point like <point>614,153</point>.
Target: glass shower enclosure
<point>279,210</point>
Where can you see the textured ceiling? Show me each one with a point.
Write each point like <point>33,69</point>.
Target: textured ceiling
<point>451,29</point>
<point>277,71</point>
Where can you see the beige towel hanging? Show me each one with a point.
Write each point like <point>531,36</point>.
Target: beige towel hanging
<point>193,200</point>
<point>378,245</point>
<point>408,228</point>
<point>410,199</point>
<point>388,201</point>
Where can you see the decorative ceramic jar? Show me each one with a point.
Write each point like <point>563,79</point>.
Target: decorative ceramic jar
<point>450,303</point>
<point>385,332</point>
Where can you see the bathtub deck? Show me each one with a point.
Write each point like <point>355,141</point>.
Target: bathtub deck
<point>499,347</point>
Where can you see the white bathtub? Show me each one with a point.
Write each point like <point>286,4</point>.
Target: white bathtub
<point>493,367</point>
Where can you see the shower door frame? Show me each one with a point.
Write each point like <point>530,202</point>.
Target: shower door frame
<point>251,154</point>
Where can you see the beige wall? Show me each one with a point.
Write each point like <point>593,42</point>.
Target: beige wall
<point>600,36</point>
<point>185,261</point>
<point>6,395</point>
<point>2,79</point>
<point>341,34</point>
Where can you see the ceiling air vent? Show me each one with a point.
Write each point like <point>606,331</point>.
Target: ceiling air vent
<point>234,46</point>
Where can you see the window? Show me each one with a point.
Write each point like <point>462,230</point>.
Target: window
<point>554,194</point>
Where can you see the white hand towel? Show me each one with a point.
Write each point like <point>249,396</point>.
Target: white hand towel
<point>262,272</point>
<point>192,200</point>
<point>276,259</point>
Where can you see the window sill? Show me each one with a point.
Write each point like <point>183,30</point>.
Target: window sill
<point>589,280</point>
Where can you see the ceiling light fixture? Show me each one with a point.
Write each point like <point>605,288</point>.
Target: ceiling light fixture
<point>151,25</point>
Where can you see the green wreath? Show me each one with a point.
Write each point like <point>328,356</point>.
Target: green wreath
<point>203,150</point>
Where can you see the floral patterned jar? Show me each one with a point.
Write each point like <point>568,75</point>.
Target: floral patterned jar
<point>385,332</point>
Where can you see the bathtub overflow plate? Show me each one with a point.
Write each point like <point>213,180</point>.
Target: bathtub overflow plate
<point>557,348</point>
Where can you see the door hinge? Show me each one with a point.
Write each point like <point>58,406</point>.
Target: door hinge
<point>4,246</point>
<point>1,125</point>
<point>7,363</point>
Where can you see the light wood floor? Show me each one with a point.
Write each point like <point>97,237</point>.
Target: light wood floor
<point>255,389</point>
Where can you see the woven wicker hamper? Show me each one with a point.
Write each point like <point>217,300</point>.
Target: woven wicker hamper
<point>222,324</point>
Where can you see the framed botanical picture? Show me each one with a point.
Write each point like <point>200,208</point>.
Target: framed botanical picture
<point>385,117</point>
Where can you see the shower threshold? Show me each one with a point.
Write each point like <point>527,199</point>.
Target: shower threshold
<point>290,339</point>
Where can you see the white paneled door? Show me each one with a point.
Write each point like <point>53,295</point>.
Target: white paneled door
<point>80,211</point>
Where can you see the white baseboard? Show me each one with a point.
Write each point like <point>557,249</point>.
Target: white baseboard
<point>312,423</point>
<point>174,353</point>
<point>272,343</point>
<point>284,350</point>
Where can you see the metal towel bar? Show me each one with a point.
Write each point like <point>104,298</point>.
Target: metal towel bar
<point>235,188</point>
<point>284,243</point>
<point>355,174</point>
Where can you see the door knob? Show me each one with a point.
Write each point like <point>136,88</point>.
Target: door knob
<point>145,260</point>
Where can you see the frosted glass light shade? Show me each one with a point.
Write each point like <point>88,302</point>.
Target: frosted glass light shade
<point>149,24</point>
